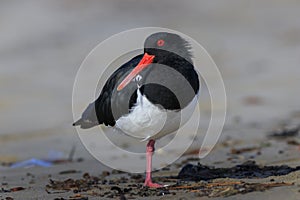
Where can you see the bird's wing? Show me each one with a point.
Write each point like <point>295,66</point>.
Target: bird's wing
<point>111,104</point>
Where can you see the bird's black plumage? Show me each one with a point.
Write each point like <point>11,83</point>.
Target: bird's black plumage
<point>170,82</point>
<point>109,109</point>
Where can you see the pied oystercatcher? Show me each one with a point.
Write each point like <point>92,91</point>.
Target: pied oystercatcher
<point>144,97</point>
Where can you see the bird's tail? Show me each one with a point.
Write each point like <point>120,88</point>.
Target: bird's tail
<point>78,122</point>
<point>85,124</point>
<point>88,118</point>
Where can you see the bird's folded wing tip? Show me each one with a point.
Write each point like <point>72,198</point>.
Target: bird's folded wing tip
<point>78,122</point>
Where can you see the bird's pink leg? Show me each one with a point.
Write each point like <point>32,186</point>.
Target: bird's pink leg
<point>149,153</point>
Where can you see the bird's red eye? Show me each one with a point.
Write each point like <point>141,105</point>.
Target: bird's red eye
<point>160,43</point>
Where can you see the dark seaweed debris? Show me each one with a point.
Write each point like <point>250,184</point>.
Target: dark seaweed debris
<point>293,142</point>
<point>73,198</point>
<point>243,150</point>
<point>15,189</point>
<point>285,133</point>
<point>248,169</point>
<point>120,192</point>
<point>123,188</point>
<point>81,185</point>
<point>226,189</point>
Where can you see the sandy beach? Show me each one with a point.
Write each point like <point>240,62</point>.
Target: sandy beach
<point>255,46</point>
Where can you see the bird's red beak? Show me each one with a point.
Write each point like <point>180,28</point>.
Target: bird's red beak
<point>146,60</point>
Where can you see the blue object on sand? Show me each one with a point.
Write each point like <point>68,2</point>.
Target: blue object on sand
<point>31,162</point>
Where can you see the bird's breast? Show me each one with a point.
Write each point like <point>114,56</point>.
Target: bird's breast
<point>150,121</point>
<point>144,119</point>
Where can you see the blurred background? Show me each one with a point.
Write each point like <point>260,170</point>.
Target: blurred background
<point>255,44</point>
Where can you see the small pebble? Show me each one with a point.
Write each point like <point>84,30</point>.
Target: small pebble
<point>280,151</point>
<point>105,173</point>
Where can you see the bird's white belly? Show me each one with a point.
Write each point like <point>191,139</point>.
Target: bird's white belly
<point>148,121</point>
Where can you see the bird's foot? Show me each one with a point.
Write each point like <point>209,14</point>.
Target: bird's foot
<point>150,184</point>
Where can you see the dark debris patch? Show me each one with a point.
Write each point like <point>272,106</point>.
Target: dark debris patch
<point>14,189</point>
<point>285,133</point>
<point>293,142</point>
<point>196,179</point>
<point>226,189</point>
<point>248,169</point>
<point>71,171</point>
<point>80,185</point>
<point>72,198</point>
<point>120,192</point>
<point>238,151</point>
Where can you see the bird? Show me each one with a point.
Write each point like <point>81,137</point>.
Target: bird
<point>145,97</point>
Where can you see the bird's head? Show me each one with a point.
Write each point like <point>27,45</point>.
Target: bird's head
<point>163,44</point>
<point>158,48</point>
